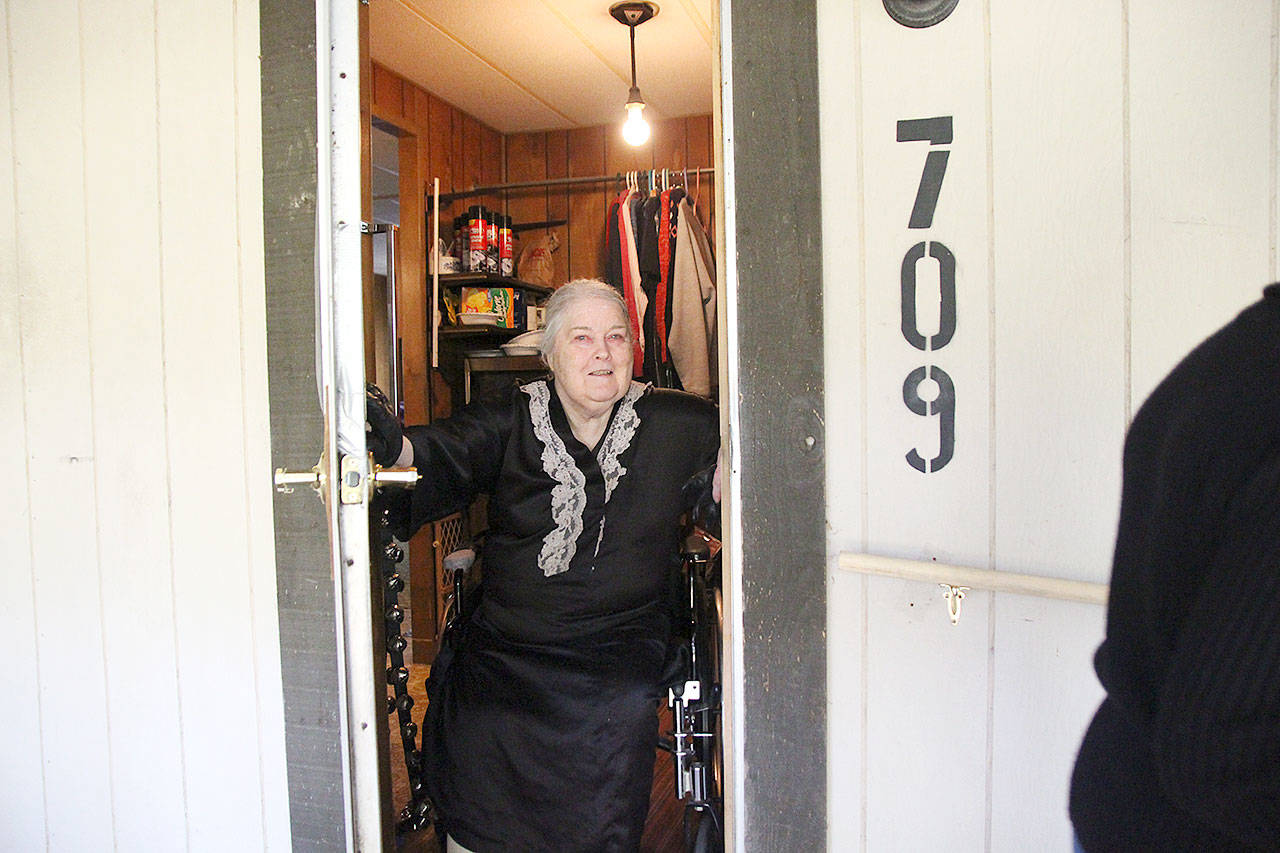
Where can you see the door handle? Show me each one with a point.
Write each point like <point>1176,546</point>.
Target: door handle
<point>285,479</point>
<point>404,477</point>
<point>356,487</point>
<point>354,492</point>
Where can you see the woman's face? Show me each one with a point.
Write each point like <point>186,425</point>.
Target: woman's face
<point>591,359</point>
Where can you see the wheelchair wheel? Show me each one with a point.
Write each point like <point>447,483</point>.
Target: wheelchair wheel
<point>709,621</point>
<point>704,828</point>
<point>703,833</point>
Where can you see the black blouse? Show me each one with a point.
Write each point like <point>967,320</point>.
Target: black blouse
<point>581,539</point>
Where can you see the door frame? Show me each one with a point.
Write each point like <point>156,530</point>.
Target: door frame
<point>772,387</point>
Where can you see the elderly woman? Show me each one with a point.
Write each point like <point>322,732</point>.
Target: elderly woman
<point>541,725</point>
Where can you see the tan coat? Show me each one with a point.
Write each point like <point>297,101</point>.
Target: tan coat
<point>692,338</point>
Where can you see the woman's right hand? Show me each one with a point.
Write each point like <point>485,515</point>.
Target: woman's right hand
<point>382,431</point>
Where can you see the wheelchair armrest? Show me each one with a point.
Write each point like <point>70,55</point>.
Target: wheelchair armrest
<point>695,545</point>
<point>460,560</point>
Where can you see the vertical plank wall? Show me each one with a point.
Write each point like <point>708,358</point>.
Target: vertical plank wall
<point>675,144</point>
<point>141,669</point>
<point>464,153</point>
<point>1109,199</point>
<point>1058,402</point>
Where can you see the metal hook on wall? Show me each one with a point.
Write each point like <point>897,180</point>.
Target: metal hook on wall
<point>954,595</point>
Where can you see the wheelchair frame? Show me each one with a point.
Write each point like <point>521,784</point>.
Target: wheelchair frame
<point>695,701</point>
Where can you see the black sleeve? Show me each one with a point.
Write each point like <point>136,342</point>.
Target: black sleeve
<point>1217,726</point>
<point>703,510</point>
<point>458,458</point>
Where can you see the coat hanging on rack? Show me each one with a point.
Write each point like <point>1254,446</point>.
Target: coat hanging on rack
<point>623,270</point>
<point>660,259</point>
<point>692,338</point>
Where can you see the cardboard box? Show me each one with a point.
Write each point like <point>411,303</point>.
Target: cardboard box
<point>491,300</point>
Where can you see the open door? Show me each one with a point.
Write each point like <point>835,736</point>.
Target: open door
<point>343,475</point>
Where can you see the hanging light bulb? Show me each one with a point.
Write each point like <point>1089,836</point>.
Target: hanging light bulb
<point>635,130</point>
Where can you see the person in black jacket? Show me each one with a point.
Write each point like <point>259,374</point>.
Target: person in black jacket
<point>1184,752</point>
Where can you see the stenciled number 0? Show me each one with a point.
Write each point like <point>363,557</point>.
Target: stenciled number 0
<point>936,131</point>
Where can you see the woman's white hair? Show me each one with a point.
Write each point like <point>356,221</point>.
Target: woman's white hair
<point>561,304</point>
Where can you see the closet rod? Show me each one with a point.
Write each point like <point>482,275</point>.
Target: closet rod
<point>445,198</point>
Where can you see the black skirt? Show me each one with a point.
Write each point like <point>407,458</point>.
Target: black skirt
<point>531,747</point>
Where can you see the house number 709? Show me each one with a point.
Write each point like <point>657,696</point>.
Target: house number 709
<point>937,132</point>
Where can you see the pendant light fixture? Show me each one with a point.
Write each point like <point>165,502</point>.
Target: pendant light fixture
<point>635,130</point>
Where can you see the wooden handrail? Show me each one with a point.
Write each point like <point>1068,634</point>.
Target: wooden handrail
<point>964,576</point>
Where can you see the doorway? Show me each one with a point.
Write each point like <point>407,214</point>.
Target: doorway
<point>557,185</point>
<point>774,433</point>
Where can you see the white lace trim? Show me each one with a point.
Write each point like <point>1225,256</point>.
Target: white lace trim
<point>621,431</point>
<point>568,496</point>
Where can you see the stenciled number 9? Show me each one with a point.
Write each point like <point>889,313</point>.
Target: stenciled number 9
<point>944,406</point>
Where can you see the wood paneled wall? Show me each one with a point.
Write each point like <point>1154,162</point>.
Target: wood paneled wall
<point>676,144</point>
<point>437,140</point>
<point>463,153</point>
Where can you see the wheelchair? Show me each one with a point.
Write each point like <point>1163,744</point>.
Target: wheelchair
<point>694,696</point>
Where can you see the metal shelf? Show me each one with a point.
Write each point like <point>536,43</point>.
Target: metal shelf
<point>478,331</point>
<point>469,279</point>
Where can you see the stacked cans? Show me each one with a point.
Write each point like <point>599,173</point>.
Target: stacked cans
<point>484,242</point>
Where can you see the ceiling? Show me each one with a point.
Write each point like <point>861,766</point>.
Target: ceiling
<point>522,65</point>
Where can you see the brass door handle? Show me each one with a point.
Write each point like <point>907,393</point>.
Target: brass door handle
<point>404,477</point>
<point>356,488</point>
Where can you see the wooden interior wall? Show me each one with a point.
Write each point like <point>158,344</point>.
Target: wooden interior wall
<point>464,153</point>
<point>437,140</point>
<point>676,144</point>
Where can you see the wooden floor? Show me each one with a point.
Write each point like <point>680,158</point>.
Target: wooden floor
<point>663,831</point>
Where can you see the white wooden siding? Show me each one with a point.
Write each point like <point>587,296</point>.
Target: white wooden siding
<point>1110,198</point>
<point>142,658</point>
<point>1058,403</point>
